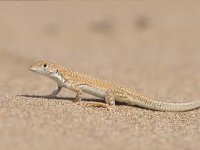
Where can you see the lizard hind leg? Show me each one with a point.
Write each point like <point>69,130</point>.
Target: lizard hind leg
<point>109,100</point>
<point>109,97</point>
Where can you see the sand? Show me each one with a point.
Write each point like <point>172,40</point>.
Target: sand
<point>152,47</point>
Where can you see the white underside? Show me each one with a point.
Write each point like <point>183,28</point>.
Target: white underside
<point>93,91</point>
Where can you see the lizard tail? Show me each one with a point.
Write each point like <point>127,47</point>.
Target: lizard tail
<point>149,103</point>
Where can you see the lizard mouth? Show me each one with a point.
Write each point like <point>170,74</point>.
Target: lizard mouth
<point>31,68</point>
<point>36,70</point>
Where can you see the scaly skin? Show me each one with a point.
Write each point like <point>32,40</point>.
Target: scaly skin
<point>111,92</point>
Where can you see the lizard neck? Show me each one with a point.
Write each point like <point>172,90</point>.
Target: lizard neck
<point>58,78</point>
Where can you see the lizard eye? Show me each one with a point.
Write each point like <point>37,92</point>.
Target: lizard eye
<point>44,65</point>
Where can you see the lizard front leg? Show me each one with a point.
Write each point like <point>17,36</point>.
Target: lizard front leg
<point>55,92</point>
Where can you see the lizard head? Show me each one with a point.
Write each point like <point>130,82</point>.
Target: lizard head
<point>50,70</point>
<point>44,68</point>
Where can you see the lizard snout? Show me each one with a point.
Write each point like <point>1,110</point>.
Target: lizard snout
<point>30,68</point>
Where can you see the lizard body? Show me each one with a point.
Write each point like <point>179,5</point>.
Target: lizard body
<point>111,92</point>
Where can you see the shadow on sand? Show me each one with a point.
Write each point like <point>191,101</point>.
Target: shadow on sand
<point>70,99</point>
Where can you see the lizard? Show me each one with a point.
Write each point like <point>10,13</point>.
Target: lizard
<point>111,92</point>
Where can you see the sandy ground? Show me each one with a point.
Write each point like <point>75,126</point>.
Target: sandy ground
<point>152,47</point>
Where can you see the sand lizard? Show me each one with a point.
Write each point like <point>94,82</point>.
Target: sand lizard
<point>111,92</point>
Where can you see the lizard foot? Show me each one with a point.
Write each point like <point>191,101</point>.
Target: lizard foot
<point>100,105</point>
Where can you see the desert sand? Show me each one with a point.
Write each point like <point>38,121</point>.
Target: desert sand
<point>150,46</point>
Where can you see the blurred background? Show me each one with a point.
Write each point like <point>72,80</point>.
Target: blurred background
<point>127,42</point>
<point>151,46</point>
